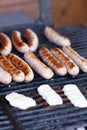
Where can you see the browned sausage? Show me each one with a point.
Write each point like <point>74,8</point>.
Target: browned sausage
<point>38,66</point>
<point>72,68</point>
<point>6,45</point>
<point>22,65</point>
<point>33,41</point>
<point>5,77</point>
<point>79,60</point>
<point>51,61</point>
<point>18,42</point>
<point>17,75</point>
<point>56,38</point>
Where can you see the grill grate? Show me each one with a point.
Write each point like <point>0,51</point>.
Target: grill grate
<point>44,117</point>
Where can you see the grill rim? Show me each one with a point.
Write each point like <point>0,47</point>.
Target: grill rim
<point>47,81</point>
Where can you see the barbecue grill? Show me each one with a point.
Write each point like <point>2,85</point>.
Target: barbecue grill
<point>43,116</point>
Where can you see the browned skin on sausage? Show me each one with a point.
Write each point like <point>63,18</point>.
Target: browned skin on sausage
<point>4,40</point>
<point>75,53</point>
<point>18,42</point>
<point>33,41</point>
<point>45,55</point>
<point>28,35</point>
<point>64,58</point>
<point>4,63</point>
<point>19,63</point>
<point>17,74</point>
<point>17,39</point>
<point>55,37</point>
<point>52,61</point>
<point>37,65</point>
<point>5,44</point>
<point>79,60</point>
<point>72,68</point>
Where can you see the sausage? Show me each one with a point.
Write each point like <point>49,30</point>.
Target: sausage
<point>51,61</point>
<point>5,77</point>
<point>55,37</point>
<point>79,60</point>
<point>18,43</point>
<point>72,68</point>
<point>22,65</point>
<point>6,45</point>
<point>17,75</point>
<point>32,38</point>
<point>38,66</point>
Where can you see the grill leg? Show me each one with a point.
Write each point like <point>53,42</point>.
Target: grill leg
<point>45,10</point>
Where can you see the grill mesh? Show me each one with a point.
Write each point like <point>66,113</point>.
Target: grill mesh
<point>44,117</point>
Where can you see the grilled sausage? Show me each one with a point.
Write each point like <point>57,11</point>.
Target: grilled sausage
<point>17,75</point>
<point>5,77</point>
<point>51,61</point>
<point>22,65</point>
<point>72,68</point>
<point>56,38</point>
<point>6,45</point>
<point>79,60</point>
<point>38,66</point>
<point>18,42</point>
<point>33,41</point>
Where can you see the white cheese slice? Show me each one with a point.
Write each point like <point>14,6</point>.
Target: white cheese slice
<point>49,95</point>
<point>74,95</point>
<point>20,101</point>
